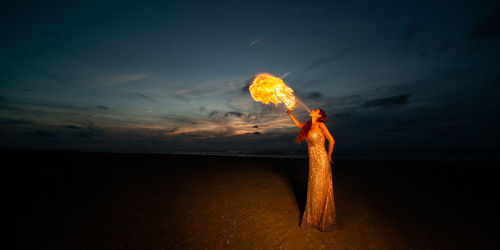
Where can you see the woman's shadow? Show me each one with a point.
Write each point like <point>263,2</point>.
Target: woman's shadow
<point>295,176</point>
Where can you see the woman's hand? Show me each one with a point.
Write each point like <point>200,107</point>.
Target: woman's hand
<point>297,123</point>
<point>331,161</point>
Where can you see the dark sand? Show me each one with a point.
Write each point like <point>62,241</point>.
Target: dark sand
<point>134,201</point>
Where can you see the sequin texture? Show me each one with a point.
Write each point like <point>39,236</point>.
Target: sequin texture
<point>320,205</point>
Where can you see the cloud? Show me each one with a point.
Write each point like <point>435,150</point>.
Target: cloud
<point>401,125</point>
<point>344,114</point>
<point>42,133</point>
<point>31,105</point>
<point>50,76</point>
<point>124,78</point>
<point>71,127</point>
<point>83,134</point>
<point>404,123</point>
<point>314,95</point>
<point>208,89</point>
<point>7,121</point>
<point>246,86</point>
<point>252,133</point>
<point>488,27</point>
<point>102,107</point>
<point>147,97</point>
<point>233,113</point>
<point>331,58</point>
<point>387,102</point>
<point>412,30</point>
<point>349,101</point>
<point>183,120</point>
<point>228,123</point>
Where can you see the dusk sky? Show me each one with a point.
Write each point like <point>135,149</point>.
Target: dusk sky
<point>397,79</point>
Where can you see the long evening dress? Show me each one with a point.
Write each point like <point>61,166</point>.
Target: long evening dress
<point>320,205</point>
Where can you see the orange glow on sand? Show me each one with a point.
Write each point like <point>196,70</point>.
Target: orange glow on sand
<point>267,88</point>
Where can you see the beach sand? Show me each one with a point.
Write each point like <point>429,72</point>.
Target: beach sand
<point>66,200</point>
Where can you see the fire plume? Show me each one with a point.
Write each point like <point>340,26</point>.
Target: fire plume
<point>267,88</point>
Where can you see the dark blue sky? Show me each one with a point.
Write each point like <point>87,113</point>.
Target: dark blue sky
<point>397,79</point>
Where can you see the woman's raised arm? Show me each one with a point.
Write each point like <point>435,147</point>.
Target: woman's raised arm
<point>297,123</point>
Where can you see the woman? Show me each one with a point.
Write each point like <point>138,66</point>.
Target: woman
<point>320,205</point>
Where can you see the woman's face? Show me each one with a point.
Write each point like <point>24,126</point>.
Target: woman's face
<point>314,114</point>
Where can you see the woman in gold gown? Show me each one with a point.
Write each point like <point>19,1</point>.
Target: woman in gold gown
<point>320,204</point>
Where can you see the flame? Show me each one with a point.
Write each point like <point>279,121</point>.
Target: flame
<point>267,88</point>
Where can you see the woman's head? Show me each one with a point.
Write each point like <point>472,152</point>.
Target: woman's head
<point>317,115</point>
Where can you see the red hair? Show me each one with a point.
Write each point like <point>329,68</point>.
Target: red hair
<point>307,127</point>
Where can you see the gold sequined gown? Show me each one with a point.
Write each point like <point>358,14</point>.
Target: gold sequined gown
<point>320,205</point>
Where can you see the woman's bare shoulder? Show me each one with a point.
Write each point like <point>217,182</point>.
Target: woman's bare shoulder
<point>323,128</point>
<point>321,125</point>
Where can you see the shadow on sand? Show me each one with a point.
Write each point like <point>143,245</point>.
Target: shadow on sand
<point>295,175</point>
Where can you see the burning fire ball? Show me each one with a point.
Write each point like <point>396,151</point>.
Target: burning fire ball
<point>267,88</point>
